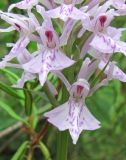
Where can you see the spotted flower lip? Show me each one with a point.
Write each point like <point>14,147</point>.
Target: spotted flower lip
<point>74,115</point>
<point>109,45</point>
<point>46,61</point>
<point>66,11</point>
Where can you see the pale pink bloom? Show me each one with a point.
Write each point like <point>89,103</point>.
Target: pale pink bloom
<point>74,115</point>
<point>22,24</point>
<point>29,4</point>
<point>25,26</point>
<point>67,10</point>
<point>24,4</point>
<point>50,57</point>
<point>108,44</point>
<point>116,72</point>
<point>100,19</point>
<point>16,51</point>
<point>23,56</point>
<point>119,5</point>
<point>111,69</point>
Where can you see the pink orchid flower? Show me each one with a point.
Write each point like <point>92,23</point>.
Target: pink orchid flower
<point>108,37</point>
<point>100,19</point>
<point>111,69</point>
<point>25,26</point>
<point>50,57</point>
<point>74,115</point>
<point>108,44</point>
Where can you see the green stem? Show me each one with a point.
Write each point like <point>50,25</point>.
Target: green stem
<point>28,100</point>
<point>62,137</point>
<point>62,145</point>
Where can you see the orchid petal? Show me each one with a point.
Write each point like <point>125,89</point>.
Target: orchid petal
<point>9,29</point>
<point>17,48</point>
<point>88,68</point>
<point>63,78</point>
<point>86,46</point>
<point>73,116</point>
<point>84,68</point>
<point>117,72</point>
<point>43,76</point>
<point>24,4</point>
<point>52,88</point>
<point>66,32</point>
<point>92,3</point>
<point>108,45</point>
<point>24,78</point>
<point>58,117</point>
<point>16,23</point>
<point>115,33</point>
<point>24,56</point>
<point>62,1</point>
<point>67,11</point>
<point>34,66</point>
<point>60,61</point>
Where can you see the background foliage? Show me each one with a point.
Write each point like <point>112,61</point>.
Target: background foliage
<point>108,104</point>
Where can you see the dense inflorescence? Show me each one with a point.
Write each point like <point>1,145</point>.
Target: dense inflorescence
<point>62,41</point>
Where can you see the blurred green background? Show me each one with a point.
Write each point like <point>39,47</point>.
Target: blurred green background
<point>108,104</point>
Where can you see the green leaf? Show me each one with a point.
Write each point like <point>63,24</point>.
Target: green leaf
<point>28,100</point>
<point>9,73</point>
<point>21,151</point>
<point>45,151</point>
<point>11,112</point>
<point>10,91</point>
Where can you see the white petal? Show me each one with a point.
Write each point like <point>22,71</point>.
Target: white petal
<point>24,4</point>
<point>117,72</point>
<point>43,76</point>
<point>58,116</point>
<point>60,60</point>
